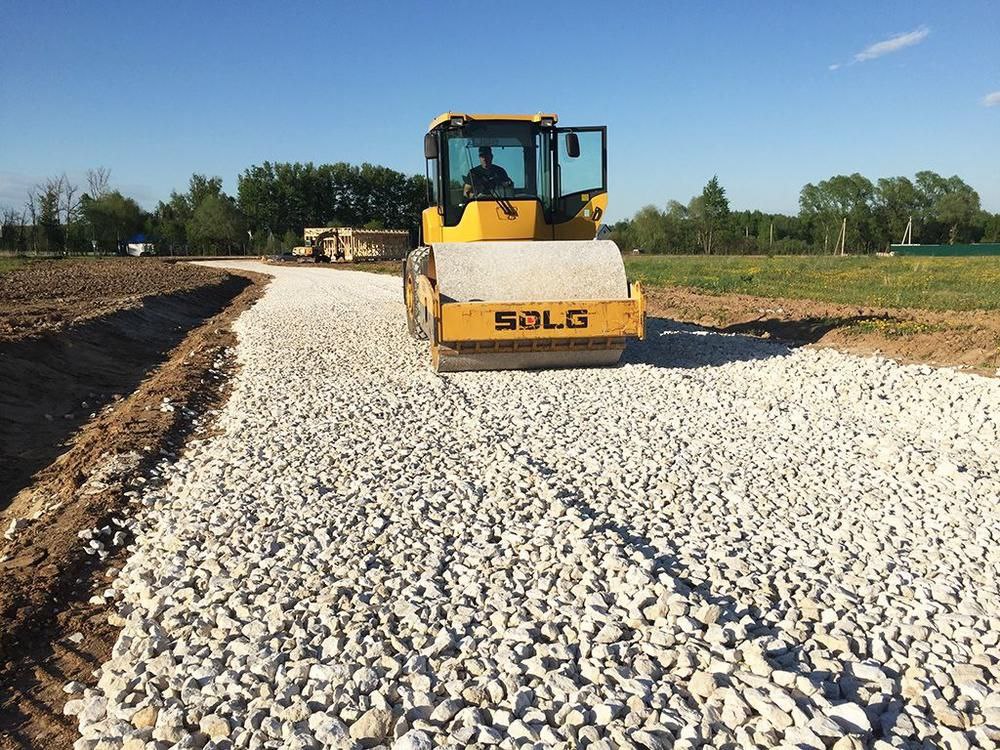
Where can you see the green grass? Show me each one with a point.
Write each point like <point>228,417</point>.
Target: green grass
<point>893,328</point>
<point>9,264</point>
<point>923,283</point>
<point>388,267</point>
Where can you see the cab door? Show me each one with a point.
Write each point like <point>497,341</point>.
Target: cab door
<point>581,183</point>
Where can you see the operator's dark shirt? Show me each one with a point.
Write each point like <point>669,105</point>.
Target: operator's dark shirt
<point>483,179</point>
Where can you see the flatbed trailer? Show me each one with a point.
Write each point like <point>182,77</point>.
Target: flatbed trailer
<point>351,245</point>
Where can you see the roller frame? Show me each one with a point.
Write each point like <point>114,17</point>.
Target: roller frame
<point>463,334</point>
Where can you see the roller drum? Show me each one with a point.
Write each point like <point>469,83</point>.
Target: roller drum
<point>535,271</point>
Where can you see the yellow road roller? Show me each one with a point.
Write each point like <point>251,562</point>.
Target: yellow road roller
<point>510,274</point>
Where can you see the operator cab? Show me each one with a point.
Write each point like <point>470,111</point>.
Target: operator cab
<point>554,175</point>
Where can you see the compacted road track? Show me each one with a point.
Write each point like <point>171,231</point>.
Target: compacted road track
<point>722,542</point>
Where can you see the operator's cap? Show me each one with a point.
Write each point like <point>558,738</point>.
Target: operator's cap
<point>485,151</point>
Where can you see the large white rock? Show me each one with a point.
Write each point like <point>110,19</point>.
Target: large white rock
<point>851,718</point>
<point>372,726</point>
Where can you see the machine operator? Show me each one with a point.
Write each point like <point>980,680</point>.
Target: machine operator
<point>487,176</point>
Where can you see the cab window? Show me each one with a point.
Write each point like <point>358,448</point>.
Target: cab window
<point>514,147</point>
<point>585,173</point>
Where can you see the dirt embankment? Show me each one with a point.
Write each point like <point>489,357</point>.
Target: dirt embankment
<point>57,381</point>
<point>94,395</point>
<point>969,340</point>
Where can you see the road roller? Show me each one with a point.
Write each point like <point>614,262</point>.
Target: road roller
<point>510,273</point>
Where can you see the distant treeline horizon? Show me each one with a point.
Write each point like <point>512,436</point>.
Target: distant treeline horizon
<point>943,210</point>
<point>275,201</point>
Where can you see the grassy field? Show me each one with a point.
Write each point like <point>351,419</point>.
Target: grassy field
<point>924,283</point>
<point>9,264</point>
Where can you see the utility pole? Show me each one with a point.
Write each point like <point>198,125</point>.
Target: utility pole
<point>908,233</point>
<point>770,240</point>
<point>838,249</point>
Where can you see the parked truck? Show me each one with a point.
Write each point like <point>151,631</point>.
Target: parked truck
<point>351,245</point>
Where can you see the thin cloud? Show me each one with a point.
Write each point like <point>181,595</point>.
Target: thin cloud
<point>992,99</point>
<point>892,44</point>
<point>835,66</point>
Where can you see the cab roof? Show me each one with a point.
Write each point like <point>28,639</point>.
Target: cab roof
<point>445,117</point>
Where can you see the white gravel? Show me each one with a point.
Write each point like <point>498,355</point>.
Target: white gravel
<point>721,543</point>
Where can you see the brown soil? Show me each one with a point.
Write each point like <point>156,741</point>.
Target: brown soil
<point>57,381</point>
<point>53,294</point>
<point>49,632</point>
<point>969,340</point>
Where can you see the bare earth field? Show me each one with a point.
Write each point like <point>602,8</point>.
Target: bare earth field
<point>47,295</point>
<point>965,339</point>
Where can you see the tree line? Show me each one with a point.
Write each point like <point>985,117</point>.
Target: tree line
<point>943,210</point>
<point>273,204</point>
<point>276,200</point>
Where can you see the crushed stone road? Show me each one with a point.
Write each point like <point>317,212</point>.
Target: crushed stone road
<point>722,542</point>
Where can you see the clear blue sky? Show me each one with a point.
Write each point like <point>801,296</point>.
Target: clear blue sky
<point>156,91</point>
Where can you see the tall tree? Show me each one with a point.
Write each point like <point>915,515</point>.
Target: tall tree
<point>169,224</point>
<point>31,213</point>
<point>13,235</point>
<point>826,204</point>
<point>173,220</point>
<point>949,208</point>
<point>648,230</point>
<point>98,181</point>
<point>991,227</point>
<point>897,200</point>
<point>49,204</point>
<point>70,205</point>
<point>112,219</point>
<point>713,209</point>
<point>216,225</point>
<point>959,209</point>
<point>201,187</point>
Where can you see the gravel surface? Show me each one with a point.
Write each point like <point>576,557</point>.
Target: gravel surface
<point>721,543</point>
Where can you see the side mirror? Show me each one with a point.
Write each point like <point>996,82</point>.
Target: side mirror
<point>430,146</point>
<point>572,145</point>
